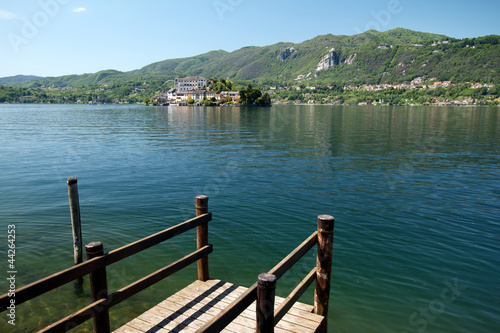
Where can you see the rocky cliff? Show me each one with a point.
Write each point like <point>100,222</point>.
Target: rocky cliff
<point>350,59</point>
<point>285,54</point>
<point>328,61</point>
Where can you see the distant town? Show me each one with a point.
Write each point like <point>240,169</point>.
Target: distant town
<point>422,87</point>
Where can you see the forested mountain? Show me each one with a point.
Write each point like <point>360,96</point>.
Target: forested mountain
<point>372,57</point>
<point>369,58</point>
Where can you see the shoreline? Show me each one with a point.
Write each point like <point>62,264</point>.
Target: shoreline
<point>255,105</point>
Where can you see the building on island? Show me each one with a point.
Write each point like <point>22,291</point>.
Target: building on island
<point>212,94</point>
<point>171,95</point>
<point>193,88</point>
<point>190,83</point>
<point>197,95</point>
<point>229,96</point>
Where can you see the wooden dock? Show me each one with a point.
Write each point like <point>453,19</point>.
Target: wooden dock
<point>206,305</point>
<point>191,308</point>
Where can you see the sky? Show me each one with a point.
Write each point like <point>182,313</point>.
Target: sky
<point>63,37</point>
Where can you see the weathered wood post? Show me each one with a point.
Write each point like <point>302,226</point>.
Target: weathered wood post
<point>202,236</point>
<point>76,223</point>
<point>323,268</point>
<point>266,288</point>
<point>98,288</point>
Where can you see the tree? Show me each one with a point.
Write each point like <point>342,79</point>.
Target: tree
<point>264,100</point>
<point>190,101</point>
<point>146,101</point>
<point>250,96</point>
<point>229,84</point>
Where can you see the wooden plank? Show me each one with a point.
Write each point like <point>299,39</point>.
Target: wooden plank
<point>306,318</point>
<point>294,296</point>
<point>300,310</point>
<point>192,317</point>
<point>300,315</point>
<point>168,321</point>
<point>191,308</point>
<point>306,315</point>
<point>209,304</point>
<point>128,329</point>
<point>232,311</point>
<point>295,316</point>
<point>299,321</point>
<point>203,294</point>
<point>140,325</point>
<point>186,316</point>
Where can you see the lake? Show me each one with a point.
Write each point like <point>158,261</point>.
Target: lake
<point>415,192</point>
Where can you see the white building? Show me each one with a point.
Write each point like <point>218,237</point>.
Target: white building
<point>197,95</point>
<point>189,83</point>
<point>171,94</point>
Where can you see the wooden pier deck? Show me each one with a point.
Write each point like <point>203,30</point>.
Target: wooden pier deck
<point>206,305</point>
<point>197,304</point>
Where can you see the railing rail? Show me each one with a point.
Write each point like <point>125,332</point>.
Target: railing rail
<point>63,277</point>
<point>287,304</point>
<point>95,267</point>
<point>119,296</point>
<point>280,269</point>
<point>226,316</point>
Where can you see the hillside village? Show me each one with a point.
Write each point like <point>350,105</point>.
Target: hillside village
<point>194,89</point>
<point>375,94</point>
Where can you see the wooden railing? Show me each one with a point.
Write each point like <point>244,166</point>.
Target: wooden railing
<point>95,267</point>
<point>263,290</point>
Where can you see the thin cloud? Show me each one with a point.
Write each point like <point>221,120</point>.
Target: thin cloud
<point>79,10</point>
<point>6,15</point>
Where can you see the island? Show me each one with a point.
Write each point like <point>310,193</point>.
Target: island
<point>197,90</point>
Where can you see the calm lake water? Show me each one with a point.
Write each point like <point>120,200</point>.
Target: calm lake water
<point>415,193</point>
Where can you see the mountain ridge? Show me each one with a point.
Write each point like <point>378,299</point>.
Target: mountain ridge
<point>393,56</point>
<point>19,78</point>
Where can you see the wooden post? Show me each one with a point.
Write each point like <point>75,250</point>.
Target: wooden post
<point>202,236</point>
<point>266,287</point>
<point>76,223</point>
<point>323,268</point>
<point>98,288</point>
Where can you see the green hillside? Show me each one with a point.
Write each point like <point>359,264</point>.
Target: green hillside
<point>263,63</point>
<point>181,66</point>
<point>369,58</point>
<point>391,57</point>
<point>12,80</point>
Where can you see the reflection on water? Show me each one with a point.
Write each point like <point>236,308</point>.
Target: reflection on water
<point>414,192</point>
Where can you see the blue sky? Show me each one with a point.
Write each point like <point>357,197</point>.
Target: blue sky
<point>60,37</point>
